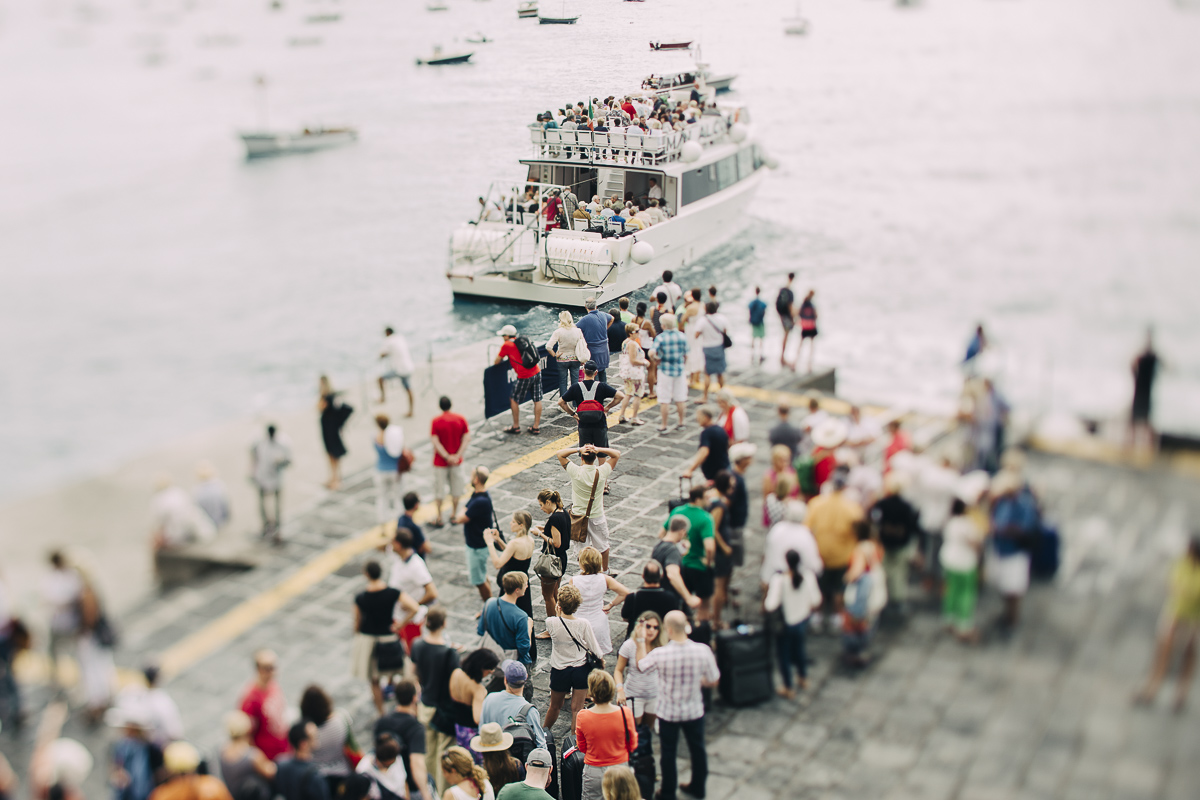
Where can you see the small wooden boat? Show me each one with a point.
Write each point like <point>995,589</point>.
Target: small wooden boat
<point>439,58</point>
<point>527,9</point>
<point>557,20</point>
<point>670,45</point>
<point>323,18</point>
<point>437,5</point>
<point>797,25</point>
<point>306,141</point>
<point>479,38</point>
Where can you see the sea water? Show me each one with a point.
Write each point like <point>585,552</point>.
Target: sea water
<point>1030,165</point>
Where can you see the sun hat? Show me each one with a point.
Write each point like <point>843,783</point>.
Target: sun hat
<point>515,673</point>
<point>830,434</point>
<point>507,330</point>
<point>124,716</point>
<point>539,757</point>
<point>742,450</point>
<point>970,487</point>
<point>1006,481</point>
<point>491,738</point>
<point>67,762</point>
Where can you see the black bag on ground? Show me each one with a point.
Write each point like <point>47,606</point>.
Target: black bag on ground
<point>571,773</point>
<point>675,502</point>
<point>641,761</point>
<point>744,658</point>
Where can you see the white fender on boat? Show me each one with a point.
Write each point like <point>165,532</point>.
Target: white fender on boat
<point>737,132</point>
<point>691,152</point>
<point>642,252</point>
<point>771,161</point>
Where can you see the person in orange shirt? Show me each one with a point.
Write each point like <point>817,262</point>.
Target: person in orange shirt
<point>606,734</point>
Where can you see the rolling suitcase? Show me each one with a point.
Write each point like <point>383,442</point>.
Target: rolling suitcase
<point>682,500</point>
<point>1045,557</point>
<point>641,761</point>
<point>571,774</point>
<point>744,658</point>
<point>552,784</point>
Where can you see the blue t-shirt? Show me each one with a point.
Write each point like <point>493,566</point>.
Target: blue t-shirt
<point>508,625</point>
<point>594,325</point>
<point>758,311</point>
<point>479,519</point>
<point>385,461</point>
<point>418,535</point>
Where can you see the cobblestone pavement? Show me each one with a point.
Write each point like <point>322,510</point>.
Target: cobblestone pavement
<point>1043,714</point>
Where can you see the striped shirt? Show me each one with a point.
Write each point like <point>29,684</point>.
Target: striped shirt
<point>682,666</point>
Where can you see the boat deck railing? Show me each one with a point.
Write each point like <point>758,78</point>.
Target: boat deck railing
<point>655,147</point>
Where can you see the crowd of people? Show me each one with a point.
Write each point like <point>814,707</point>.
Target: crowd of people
<point>855,526</point>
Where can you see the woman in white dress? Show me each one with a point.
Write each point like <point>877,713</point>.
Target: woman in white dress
<point>563,344</point>
<point>593,585</point>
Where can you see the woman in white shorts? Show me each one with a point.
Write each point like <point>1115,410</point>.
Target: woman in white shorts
<point>635,687</point>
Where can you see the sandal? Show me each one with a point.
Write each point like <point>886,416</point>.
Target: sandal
<point>662,430</point>
<point>637,422</point>
<point>512,430</point>
<point>534,431</point>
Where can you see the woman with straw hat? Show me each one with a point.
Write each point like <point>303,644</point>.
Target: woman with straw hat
<point>493,742</point>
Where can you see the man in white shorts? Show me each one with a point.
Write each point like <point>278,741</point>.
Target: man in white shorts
<point>585,487</point>
<point>669,351</point>
<point>397,365</point>
<point>450,436</point>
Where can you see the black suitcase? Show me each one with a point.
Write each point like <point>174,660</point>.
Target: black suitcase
<point>744,658</point>
<point>641,761</point>
<point>571,774</point>
<point>682,500</point>
<point>552,784</point>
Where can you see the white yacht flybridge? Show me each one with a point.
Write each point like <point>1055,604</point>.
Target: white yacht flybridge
<point>704,177</point>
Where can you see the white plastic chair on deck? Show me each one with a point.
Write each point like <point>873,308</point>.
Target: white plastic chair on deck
<point>633,141</point>
<point>654,145</point>
<point>584,139</point>
<point>617,143</point>
<point>554,140</point>
<point>600,144</point>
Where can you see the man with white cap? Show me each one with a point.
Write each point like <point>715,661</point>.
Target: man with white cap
<point>523,358</point>
<point>538,767</point>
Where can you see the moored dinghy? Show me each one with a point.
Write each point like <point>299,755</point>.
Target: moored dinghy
<point>527,9</point>
<point>439,58</point>
<point>670,45</point>
<point>264,143</point>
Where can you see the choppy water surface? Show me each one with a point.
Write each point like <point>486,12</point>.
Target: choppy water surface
<point>1031,164</point>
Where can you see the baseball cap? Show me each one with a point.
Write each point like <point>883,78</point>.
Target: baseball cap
<point>515,673</point>
<point>507,330</point>
<point>590,366</point>
<point>539,757</point>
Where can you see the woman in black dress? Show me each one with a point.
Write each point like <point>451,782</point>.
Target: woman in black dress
<point>718,507</point>
<point>333,418</point>
<point>557,534</point>
<point>374,613</point>
<point>513,555</point>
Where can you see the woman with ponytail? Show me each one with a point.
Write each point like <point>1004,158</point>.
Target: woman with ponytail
<point>556,533</point>
<point>796,592</point>
<point>465,780</point>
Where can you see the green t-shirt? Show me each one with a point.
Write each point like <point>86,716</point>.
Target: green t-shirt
<point>701,529</point>
<point>522,791</point>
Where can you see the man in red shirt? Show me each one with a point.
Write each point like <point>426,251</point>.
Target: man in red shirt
<point>529,381</point>
<point>264,703</point>
<point>553,206</point>
<point>450,435</point>
<point>900,442</point>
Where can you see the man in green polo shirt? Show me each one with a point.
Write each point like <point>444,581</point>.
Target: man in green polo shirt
<point>697,563</point>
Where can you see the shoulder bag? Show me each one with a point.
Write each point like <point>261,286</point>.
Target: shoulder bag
<point>726,342</point>
<point>592,661</point>
<point>547,565</point>
<point>579,522</point>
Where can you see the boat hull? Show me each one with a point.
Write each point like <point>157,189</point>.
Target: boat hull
<point>259,145</point>
<point>557,20</point>
<point>677,243</point>
<point>437,62</point>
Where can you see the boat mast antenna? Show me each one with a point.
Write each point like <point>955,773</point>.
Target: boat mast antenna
<point>260,85</point>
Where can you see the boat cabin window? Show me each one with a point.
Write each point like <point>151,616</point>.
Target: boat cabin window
<point>712,178</point>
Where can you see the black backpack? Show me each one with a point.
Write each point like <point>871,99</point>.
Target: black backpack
<point>524,742</point>
<point>783,302</point>
<point>529,353</point>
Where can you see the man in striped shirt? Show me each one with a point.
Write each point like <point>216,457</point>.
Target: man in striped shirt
<point>684,668</point>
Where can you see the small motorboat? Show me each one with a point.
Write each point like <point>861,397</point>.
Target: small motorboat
<point>261,144</point>
<point>670,45</point>
<point>796,25</point>
<point>323,18</point>
<point>479,38</point>
<point>557,20</point>
<point>438,58</point>
<point>437,5</point>
<point>304,41</point>
<point>527,9</point>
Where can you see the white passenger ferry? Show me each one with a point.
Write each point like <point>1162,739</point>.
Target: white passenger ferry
<point>707,175</point>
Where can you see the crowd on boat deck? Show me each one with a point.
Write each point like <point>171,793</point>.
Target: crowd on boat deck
<point>618,114</point>
<point>565,210</point>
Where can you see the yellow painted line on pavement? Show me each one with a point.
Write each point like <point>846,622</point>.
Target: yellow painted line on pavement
<point>776,396</point>
<point>206,641</point>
